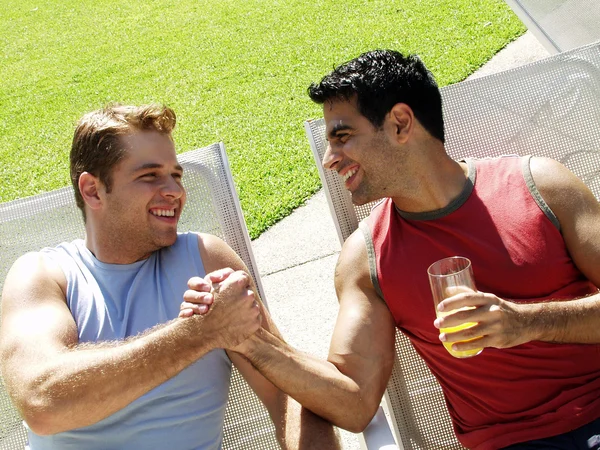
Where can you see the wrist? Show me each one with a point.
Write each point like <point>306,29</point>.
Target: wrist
<point>250,347</point>
<point>534,322</point>
<point>193,337</point>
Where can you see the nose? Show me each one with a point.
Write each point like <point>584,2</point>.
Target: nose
<point>331,157</point>
<point>172,188</point>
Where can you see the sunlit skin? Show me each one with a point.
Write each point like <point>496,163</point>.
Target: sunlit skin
<point>140,213</point>
<point>53,378</point>
<point>391,161</point>
<point>351,140</point>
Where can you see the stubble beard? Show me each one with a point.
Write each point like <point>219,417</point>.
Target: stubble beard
<point>140,239</point>
<point>360,198</point>
<point>376,177</point>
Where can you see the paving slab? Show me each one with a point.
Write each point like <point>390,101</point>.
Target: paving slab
<point>524,50</point>
<point>307,234</point>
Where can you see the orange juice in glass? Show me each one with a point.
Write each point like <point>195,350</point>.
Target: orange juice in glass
<point>448,277</point>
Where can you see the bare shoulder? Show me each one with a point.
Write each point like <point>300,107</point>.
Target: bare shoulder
<point>548,171</point>
<point>35,315</point>
<point>32,274</point>
<point>577,210</point>
<point>352,268</point>
<point>217,254</point>
<point>559,187</point>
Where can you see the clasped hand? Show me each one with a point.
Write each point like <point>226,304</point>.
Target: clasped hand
<point>226,299</point>
<point>198,298</point>
<point>498,323</point>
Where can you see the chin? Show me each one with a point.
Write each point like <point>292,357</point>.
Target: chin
<point>165,240</point>
<point>359,201</point>
<point>362,196</point>
<point>170,240</point>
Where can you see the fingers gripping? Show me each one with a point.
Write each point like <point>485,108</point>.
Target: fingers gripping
<point>231,311</point>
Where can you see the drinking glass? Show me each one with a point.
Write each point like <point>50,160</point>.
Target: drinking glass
<point>448,277</point>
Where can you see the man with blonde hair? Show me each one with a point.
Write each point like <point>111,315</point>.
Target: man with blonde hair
<point>93,354</point>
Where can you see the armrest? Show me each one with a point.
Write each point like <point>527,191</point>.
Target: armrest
<point>378,435</point>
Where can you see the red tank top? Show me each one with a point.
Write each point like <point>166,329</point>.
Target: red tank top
<point>502,224</point>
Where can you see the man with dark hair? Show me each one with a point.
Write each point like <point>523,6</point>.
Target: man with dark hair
<point>530,228</point>
<point>380,79</point>
<point>93,354</point>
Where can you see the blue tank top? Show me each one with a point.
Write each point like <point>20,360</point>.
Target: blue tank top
<point>111,302</point>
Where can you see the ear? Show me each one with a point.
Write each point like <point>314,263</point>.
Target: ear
<point>402,120</point>
<point>91,188</point>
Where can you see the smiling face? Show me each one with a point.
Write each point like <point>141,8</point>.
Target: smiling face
<point>140,213</point>
<point>362,155</point>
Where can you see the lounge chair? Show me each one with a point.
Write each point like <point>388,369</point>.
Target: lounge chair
<point>547,108</point>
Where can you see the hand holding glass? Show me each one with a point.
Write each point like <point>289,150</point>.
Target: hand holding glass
<point>448,277</point>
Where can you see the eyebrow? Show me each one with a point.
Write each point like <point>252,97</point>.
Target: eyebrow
<point>337,128</point>
<point>155,166</point>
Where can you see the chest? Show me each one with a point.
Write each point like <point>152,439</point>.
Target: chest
<point>521,257</point>
<point>113,305</point>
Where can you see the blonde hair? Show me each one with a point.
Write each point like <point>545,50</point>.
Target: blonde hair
<point>97,146</point>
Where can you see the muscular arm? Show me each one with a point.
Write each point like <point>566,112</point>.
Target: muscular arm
<point>54,381</point>
<point>578,213</point>
<point>347,388</point>
<point>296,427</point>
<point>505,324</point>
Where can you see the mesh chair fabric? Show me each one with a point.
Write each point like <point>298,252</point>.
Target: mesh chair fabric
<point>548,108</point>
<point>560,25</point>
<point>212,207</point>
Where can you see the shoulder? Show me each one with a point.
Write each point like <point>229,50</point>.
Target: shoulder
<point>549,173</point>
<point>353,263</point>
<point>33,276</point>
<point>35,316</point>
<point>33,266</point>
<point>217,254</point>
<point>354,248</point>
<point>559,187</point>
<point>566,195</point>
<point>211,244</point>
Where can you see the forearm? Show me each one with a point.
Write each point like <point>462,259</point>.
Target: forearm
<point>84,384</point>
<point>571,321</point>
<point>316,384</point>
<point>301,429</point>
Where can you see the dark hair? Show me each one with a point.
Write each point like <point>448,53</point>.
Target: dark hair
<point>380,79</point>
<point>96,144</point>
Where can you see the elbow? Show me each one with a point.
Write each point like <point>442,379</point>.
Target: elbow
<point>40,411</point>
<point>359,419</point>
<point>353,425</point>
<point>356,427</point>
<point>35,397</point>
<point>39,417</point>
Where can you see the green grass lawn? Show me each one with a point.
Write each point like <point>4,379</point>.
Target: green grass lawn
<point>233,71</point>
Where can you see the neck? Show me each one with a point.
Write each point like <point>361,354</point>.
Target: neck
<point>434,181</point>
<point>110,248</point>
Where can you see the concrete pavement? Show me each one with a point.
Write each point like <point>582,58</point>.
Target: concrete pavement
<point>296,257</point>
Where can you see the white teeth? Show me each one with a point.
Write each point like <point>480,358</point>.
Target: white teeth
<point>163,212</point>
<point>349,174</point>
